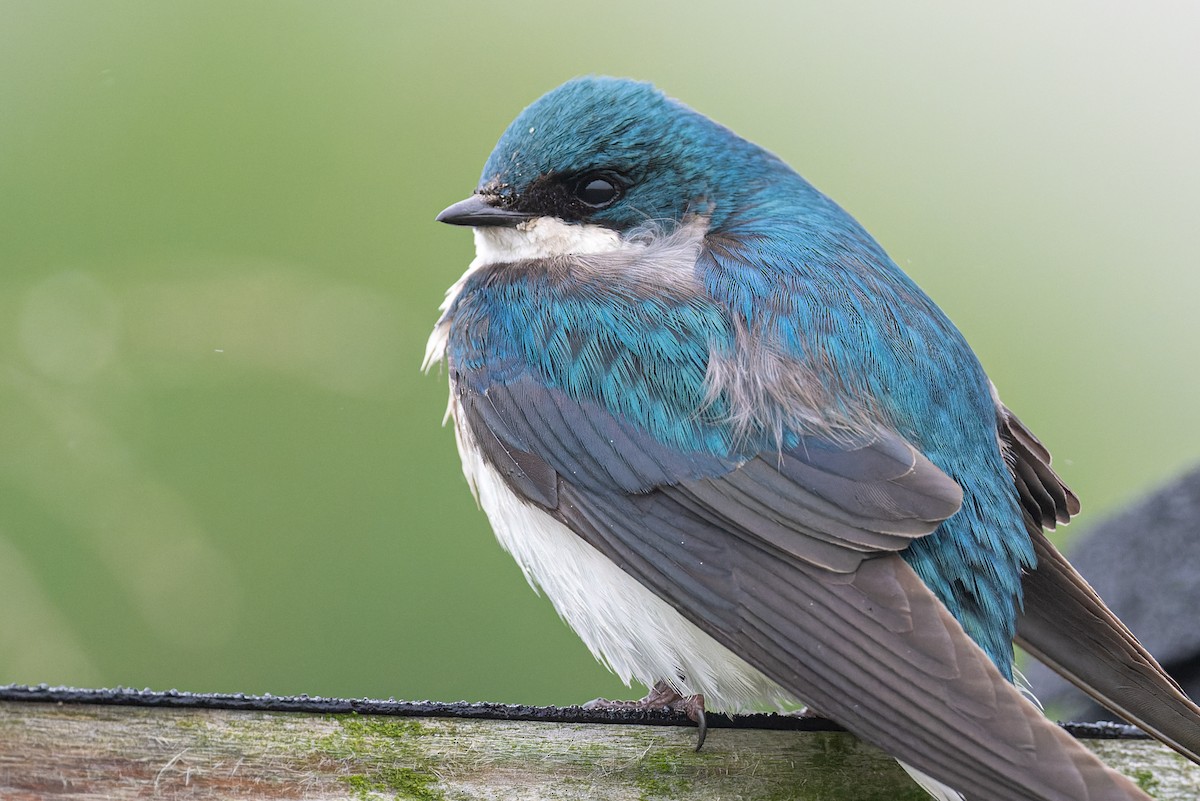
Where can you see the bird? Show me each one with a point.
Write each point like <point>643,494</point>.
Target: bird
<point>751,463</point>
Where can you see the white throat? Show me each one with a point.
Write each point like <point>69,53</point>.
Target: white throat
<point>541,238</point>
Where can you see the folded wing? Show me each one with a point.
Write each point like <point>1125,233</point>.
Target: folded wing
<point>791,561</point>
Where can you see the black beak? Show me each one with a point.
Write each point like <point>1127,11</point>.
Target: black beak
<point>480,211</point>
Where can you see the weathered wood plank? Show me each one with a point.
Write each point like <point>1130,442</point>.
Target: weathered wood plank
<point>85,752</point>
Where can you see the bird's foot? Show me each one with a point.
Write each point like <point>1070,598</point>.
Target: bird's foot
<point>663,696</point>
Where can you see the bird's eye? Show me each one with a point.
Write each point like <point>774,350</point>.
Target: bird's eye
<point>598,191</point>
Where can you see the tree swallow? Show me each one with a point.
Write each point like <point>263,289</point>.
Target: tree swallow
<point>748,459</point>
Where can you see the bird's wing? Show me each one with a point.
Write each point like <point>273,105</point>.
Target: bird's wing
<point>790,560</point>
<point>1066,624</point>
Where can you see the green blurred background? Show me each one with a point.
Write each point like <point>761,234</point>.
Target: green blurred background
<point>220,467</point>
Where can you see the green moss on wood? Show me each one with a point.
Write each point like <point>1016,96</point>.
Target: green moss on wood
<point>397,766</point>
<point>1146,781</point>
<point>656,775</point>
<point>402,784</point>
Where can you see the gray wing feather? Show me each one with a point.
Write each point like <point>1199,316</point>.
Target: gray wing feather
<point>873,649</point>
<point>789,560</point>
<point>579,440</point>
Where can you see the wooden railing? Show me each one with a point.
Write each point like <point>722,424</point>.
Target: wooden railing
<point>60,743</point>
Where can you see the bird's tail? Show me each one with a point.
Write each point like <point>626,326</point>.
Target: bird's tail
<point>1068,627</point>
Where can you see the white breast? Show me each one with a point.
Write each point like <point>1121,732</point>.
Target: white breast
<point>633,632</point>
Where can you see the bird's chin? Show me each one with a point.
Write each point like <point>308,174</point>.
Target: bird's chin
<point>543,238</point>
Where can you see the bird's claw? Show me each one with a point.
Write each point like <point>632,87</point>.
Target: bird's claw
<point>663,696</point>
<point>693,707</point>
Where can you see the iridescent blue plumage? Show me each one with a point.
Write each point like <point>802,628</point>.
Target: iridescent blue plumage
<point>644,362</point>
<point>802,275</point>
<point>745,456</point>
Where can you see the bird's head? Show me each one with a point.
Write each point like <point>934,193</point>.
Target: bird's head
<point>613,156</point>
